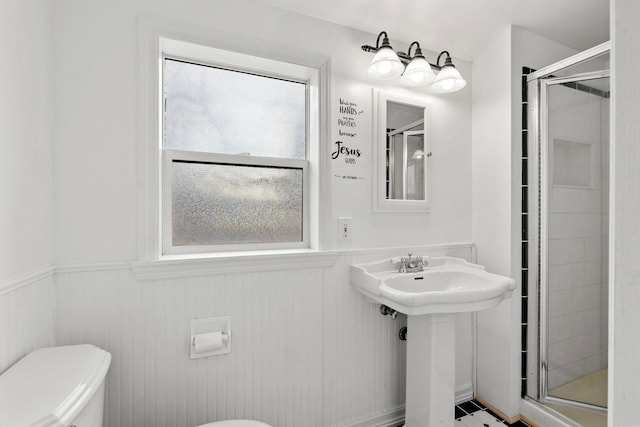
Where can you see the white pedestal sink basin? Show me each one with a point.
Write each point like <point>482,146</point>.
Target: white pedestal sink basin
<point>430,299</point>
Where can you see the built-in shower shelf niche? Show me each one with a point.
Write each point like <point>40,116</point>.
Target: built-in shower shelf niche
<point>572,163</point>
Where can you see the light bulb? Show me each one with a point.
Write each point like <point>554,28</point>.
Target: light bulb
<point>418,72</point>
<point>448,80</point>
<point>447,84</point>
<point>385,64</point>
<point>383,68</point>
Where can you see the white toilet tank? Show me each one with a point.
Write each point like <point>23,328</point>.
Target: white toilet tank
<point>55,387</point>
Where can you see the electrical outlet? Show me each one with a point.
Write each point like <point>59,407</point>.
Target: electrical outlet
<point>344,229</point>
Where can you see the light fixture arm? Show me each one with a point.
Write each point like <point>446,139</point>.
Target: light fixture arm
<point>418,51</point>
<point>447,60</point>
<point>385,40</point>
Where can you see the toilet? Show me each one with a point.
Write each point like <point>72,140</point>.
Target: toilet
<point>63,386</point>
<point>55,387</point>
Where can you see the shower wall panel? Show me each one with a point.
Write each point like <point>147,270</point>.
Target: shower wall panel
<point>576,247</point>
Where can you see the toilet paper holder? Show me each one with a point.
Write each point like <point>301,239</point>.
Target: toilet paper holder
<point>225,338</point>
<point>210,337</point>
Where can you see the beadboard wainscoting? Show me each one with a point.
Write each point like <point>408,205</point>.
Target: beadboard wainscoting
<point>307,350</point>
<point>27,315</point>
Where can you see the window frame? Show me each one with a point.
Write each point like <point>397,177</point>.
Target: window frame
<point>298,71</point>
<point>152,33</point>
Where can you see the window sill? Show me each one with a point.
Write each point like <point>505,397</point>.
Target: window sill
<point>175,266</point>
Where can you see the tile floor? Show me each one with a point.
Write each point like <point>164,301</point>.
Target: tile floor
<point>474,414</point>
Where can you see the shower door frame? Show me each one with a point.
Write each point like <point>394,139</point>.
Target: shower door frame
<point>538,83</point>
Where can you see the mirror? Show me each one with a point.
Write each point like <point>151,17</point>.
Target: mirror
<point>401,154</point>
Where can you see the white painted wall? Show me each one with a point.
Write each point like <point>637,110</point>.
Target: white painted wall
<point>307,349</point>
<point>96,141</point>
<point>491,206</point>
<point>27,293</point>
<point>26,189</point>
<point>27,315</point>
<point>497,124</point>
<point>624,345</point>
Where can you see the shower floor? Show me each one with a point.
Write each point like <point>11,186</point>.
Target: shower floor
<point>590,389</point>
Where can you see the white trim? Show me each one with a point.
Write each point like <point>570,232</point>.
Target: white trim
<point>92,267</point>
<point>197,265</point>
<point>263,67</point>
<point>234,262</point>
<point>20,281</point>
<point>392,418</point>
<point>465,392</point>
<point>380,203</point>
<point>242,262</point>
<point>571,61</point>
<point>150,32</point>
<point>395,417</point>
<point>413,249</point>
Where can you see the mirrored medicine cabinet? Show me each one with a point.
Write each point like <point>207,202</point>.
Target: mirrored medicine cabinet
<point>401,153</point>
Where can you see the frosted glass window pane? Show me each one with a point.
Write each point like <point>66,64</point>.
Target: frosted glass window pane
<point>221,111</point>
<point>216,204</point>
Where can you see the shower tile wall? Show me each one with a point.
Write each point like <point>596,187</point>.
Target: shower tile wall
<point>577,225</point>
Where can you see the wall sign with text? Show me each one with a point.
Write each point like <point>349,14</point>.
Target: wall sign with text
<point>345,150</point>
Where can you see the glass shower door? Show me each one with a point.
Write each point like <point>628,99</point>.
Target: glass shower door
<point>574,194</point>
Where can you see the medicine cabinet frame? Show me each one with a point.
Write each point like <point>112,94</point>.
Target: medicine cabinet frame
<point>381,160</point>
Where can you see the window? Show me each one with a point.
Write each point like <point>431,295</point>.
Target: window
<point>236,143</point>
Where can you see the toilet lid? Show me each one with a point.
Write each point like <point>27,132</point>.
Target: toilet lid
<point>236,423</point>
<point>50,386</point>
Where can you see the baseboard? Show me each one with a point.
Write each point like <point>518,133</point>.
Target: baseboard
<point>387,419</point>
<point>395,417</point>
<point>464,393</point>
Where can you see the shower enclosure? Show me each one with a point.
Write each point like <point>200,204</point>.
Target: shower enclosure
<point>567,191</point>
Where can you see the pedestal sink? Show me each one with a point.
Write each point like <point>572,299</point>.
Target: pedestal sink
<point>431,299</point>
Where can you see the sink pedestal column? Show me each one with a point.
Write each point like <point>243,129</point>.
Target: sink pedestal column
<point>430,397</point>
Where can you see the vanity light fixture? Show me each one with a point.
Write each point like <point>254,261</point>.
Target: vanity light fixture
<point>388,64</point>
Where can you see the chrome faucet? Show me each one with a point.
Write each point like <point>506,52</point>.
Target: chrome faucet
<point>411,264</point>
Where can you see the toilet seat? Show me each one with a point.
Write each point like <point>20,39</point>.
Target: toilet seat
<point>236,423</point>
